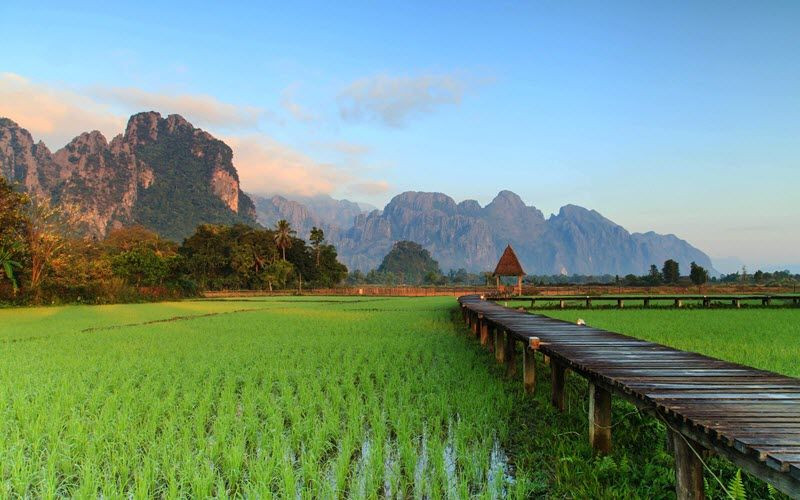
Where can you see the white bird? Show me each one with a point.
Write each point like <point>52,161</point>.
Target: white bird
<point>580,322</point>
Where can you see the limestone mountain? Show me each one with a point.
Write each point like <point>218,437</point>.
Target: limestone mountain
<point>162,173</point>
<point>305,212</point>
<point>574,241</point>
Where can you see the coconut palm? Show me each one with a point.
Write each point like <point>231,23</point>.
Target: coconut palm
<point>283,236</point>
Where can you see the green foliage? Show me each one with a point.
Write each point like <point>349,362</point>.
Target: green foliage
<point>698,274</point>
<point>182,196</point>
<point>283,236</point>
<point>736,489</point>
<point>141,267</point>
<point>410,262</point>
<point>671,271</point>
<point>13,225</point>
<point>277,273</point>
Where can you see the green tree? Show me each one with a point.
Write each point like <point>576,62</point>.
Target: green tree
<point>13,227</point>
<point>141,267</point>
<point>671,271</point>
<point>283,236</point>
<point>654,276</point>
<point>698,274</point>
<point>47,232</point>
<point>410,260</point>
<point>277,273</point>
<point>317,238</point>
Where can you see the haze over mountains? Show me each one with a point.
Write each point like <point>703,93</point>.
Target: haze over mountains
<point>169,176</point>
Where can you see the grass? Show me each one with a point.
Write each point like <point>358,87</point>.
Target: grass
<point>301,398</point>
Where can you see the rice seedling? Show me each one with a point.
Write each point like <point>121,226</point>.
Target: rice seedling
<point>301,398</point>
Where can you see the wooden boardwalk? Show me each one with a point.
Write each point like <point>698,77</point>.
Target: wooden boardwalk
<point>749,416</point>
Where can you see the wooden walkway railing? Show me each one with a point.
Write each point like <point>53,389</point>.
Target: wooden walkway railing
<point>749,416</point>
<point>678,300</point>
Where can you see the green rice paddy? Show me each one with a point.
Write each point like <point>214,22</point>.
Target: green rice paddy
<point>767,338</point>
<point>320,398</point>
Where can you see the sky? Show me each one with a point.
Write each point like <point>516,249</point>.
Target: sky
<point>677,117</point>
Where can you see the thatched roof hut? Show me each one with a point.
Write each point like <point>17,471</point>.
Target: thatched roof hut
<point>509,264</point>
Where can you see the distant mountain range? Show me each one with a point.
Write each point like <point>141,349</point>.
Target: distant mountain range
<point>574,241</point>
<point>169,176</point>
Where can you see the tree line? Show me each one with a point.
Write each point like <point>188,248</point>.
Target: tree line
<point>44,259</point>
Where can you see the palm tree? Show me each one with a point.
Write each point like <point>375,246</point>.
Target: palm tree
<point>317,237</point>
<point>283,236</point>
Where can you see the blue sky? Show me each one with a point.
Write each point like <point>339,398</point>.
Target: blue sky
<point>680,117</point>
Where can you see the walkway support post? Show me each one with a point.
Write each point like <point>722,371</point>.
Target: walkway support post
<point>500,346</point>
<point>529,365</point>
<point>484,332</point>
<point>599,419</point>
<point>511,362</point>
<point>557,372</point>
<point>688,468</point>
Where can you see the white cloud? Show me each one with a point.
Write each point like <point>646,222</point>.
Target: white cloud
<point>264,164</point>
<point>267,166</point>
<point>290,104</point>
<point>392,100</point>
<point>54,115</point>
<point>200,109</point>
<point>370,188</point>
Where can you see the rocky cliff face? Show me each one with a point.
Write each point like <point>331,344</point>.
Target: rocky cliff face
<point>162,173</point>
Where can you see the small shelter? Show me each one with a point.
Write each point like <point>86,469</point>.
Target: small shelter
<point>509,266</point>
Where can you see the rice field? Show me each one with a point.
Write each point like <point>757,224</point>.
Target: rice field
<point>257,398</point>
<point>767,338</point>
<point>309,398</point>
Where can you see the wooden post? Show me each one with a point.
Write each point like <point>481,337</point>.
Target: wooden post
<point>706,302</point>
<point>620,303</point>
<point>475,324</point>
<point>678,303</point>
<point>737,303</point>
<point>511,362</point>
<point>500,346</point>
<point>557,372</point>
<point>646,303</point>
<point>484,332</point>
<point>688,468</point>
<point>479,326</point>
<point>599,419</point>
<point>562,303</point>
<point>492,334</point>
<point>529,366</point>
<point>588,302</point>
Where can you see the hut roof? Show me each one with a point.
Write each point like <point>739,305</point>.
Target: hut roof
<point>509,264</point>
